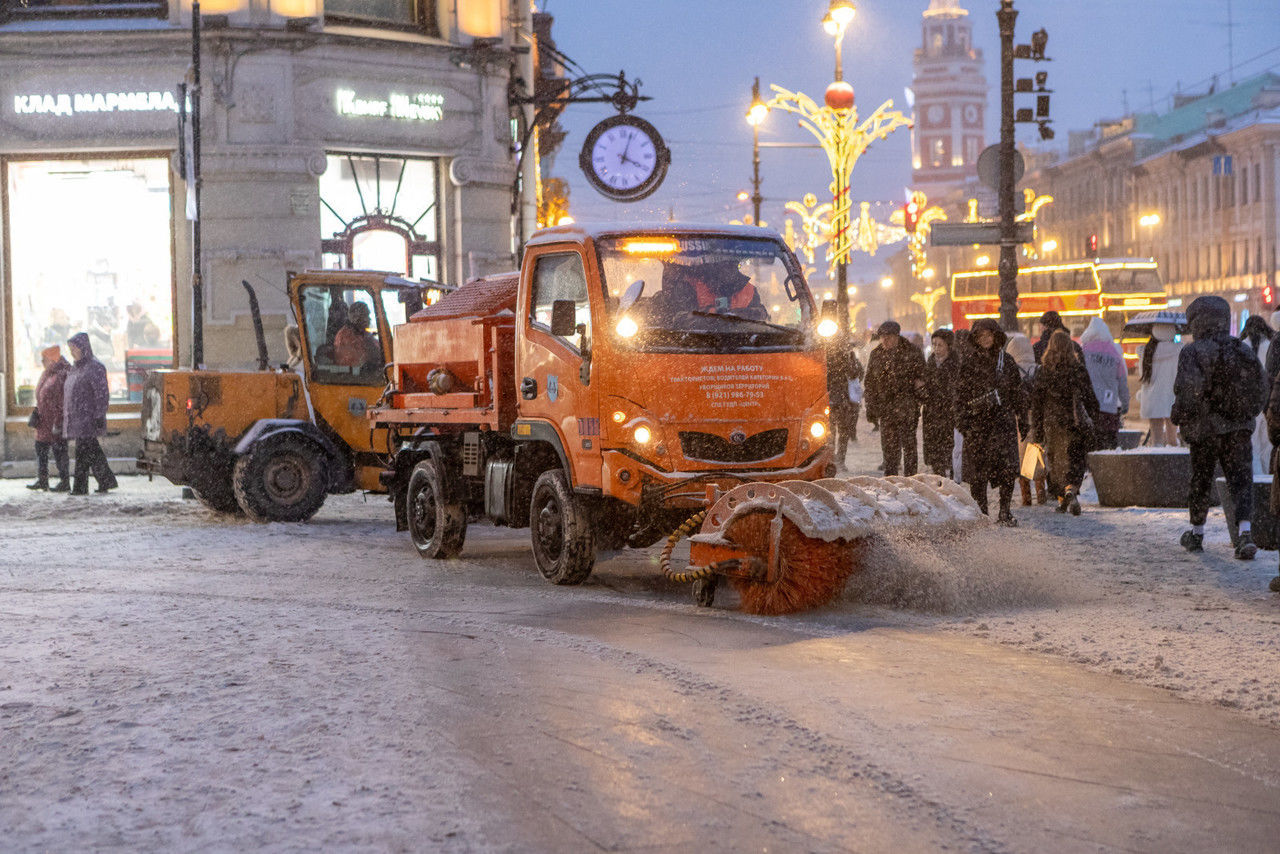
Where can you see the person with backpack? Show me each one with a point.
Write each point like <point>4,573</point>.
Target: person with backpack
<point>1219,391</point>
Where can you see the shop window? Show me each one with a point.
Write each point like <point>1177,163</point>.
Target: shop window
<point>381,213</point>
<point>90,252</point>
<point>396,14</point>
<point>18,9</point>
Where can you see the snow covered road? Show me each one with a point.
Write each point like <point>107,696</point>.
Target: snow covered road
<point>171,680</point>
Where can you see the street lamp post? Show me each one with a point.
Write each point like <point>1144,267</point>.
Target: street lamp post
<point>844,139</point>
<point>755,116</point>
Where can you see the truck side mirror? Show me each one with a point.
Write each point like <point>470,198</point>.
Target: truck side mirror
<point>564,318</point>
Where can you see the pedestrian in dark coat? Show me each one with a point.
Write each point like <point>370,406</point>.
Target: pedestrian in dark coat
<point>1219,391</point>
<point>895,382</point>
<point>843,369</point>
<point>989,401</point>
<point>1064,409</point>
<point>1273,427</point>
<point>1051,322</point>
<point>48,415</point>
<point>84,413</point>
<point>939,415</point>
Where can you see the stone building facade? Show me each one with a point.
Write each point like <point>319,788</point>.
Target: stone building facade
<point>335,134</point>
<point>1194,188</point>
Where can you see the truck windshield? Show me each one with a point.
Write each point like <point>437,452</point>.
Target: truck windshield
<point>704,293</point>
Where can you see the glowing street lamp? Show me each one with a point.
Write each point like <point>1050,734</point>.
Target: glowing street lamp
<point>844,139</point>
<point>886,283</point>
<point>1048,246</point>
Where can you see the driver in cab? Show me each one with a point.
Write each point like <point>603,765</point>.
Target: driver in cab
<point>721,288</point>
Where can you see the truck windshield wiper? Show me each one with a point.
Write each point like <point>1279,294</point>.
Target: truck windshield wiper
<point>741,319</point>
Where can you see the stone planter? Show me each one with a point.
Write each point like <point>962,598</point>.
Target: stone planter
<point>1130,439</point>
<point>1266,527</point>
<point>1144,477</point>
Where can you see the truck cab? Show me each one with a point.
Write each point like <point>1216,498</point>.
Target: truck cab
<point>645,366</point>
<point>273,443</point>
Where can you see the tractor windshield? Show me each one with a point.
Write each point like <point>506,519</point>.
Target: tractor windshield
<point>711,294</point>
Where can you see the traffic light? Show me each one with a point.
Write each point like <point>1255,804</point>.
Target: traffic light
<point>1091,246</point>
<point>910,217</point>
<point>1039,39</point>
<point>1268,295</point>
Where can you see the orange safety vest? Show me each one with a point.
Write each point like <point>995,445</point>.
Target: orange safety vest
<point>708,299</point>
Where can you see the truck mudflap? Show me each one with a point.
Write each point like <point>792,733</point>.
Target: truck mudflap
<point>791,546</point>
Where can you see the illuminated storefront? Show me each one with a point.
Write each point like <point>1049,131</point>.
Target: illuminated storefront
<point>384,147</point>
<point>106,268</point>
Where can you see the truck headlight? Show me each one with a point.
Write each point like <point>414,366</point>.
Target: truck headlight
<point>642,435</point>
<point>817,430</point>
<point>827,327</point>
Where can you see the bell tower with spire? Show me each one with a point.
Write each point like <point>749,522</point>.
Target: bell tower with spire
<point>950,101</point>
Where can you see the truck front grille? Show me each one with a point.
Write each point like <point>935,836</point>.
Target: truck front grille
<point>708,447</point>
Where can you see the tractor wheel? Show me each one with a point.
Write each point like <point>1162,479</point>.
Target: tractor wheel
<point>282,479</point>
<point>563,544</point>
<point>214,490</point>
<point>438,527</point>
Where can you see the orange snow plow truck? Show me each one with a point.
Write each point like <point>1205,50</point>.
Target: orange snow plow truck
<point>625,379</point>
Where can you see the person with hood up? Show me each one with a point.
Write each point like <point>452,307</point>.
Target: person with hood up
<point>939,418</point>
<point>1050,322</point>
<point>1019,347</point>
<point>1219,391</point>
<point>895,382</point>
<point>84,416</point>
<point>1104,361</point>
<point>990,400</point>
<point>1063,409</point>
<point>1257,333</point>
<point>48,421</point>
<point>1159,367</point>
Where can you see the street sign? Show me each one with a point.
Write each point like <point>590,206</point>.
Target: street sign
<point>966,233</point>
<point>989,166</point>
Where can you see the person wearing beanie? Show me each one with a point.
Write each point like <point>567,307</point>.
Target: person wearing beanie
<point>1051,322</point>
<point>84,416</point>
<point>894,385</point>
<point>1218,392</point>
<point>47,421</point>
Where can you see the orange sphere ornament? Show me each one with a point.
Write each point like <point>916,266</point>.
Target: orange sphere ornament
<point>839,95</point>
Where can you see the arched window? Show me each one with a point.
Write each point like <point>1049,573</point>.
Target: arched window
<point>381,213</point>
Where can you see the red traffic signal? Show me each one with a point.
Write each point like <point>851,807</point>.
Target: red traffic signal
<point>910,216</point>
<point>1091,245</point>
<point>1268,295</point>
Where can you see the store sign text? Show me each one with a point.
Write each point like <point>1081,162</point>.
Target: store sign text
<point>423,107</point>
<point>64,104</point>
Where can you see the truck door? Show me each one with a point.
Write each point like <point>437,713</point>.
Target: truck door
<point>553,372</point>
<point>346,351</point>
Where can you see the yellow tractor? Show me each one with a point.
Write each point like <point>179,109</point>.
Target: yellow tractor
<point>273,443</point>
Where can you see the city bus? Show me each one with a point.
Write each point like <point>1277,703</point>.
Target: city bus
<point>1111,288</point>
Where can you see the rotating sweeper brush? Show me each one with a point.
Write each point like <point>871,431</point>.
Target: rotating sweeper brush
<point>790,546</point>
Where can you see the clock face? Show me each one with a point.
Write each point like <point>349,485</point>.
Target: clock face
<point>970,114</point>
<point>934,114</point>
<point>625,158</point>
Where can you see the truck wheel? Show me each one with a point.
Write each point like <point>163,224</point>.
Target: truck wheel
<point>215,491</point>
<point>282,479</point>
<point>438,527</point>
<point>563,545</point>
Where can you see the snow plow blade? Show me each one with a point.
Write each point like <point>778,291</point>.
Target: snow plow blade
<point>791,546</point>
